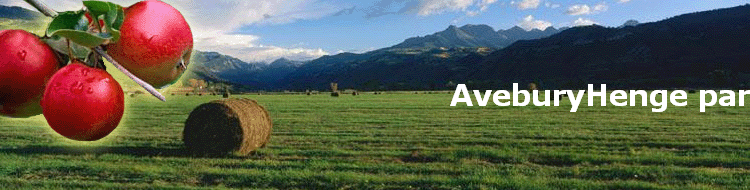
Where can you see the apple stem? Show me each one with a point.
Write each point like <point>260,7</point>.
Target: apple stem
<point>42,8</point>
<point>143,84</point>
<point>52,13</point>
<point>70,52</point>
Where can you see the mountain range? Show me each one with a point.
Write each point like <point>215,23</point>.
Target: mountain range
<point>18,13</point>
<point>700,50</point>
<point>706,49</point>
<point>215,67</point>
<point>474,36</point>
<point>434,53</point>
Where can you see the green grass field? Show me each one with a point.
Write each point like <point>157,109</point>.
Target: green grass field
<point>397,141</point>
<point>34,26</point>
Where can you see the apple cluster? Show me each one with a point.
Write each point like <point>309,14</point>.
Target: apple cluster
<point>78,98</point>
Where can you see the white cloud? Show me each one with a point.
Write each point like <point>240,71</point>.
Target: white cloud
<point>526,4</point>
<point>269,53</point>
<point>583,22</point>
<point>529,23</point>
<point>470,7</point>
<point>246,48</point>
<point>214,21</point>
<point>583,9</point>
<point>551,5</point>
<point>429,7</point>
<point>61,5</point>
<point>623,1</point>
<point>601,7</point>
<point>578,10</point>
<point>485,4</point>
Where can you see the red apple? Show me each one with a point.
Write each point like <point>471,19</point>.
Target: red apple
<point>26,63</point>
<point>155,42</point>
<point>83,103</point>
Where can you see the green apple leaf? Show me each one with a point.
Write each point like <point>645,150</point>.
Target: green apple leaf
<point>112,14</point>
<point>74,26</point>
<point>61,45</point>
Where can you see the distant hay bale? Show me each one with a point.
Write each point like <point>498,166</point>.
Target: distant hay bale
<point>533,86</point>
<point>334,89</point>
<point>227,126</point>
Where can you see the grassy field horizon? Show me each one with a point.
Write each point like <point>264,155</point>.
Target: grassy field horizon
<point>397,141</point>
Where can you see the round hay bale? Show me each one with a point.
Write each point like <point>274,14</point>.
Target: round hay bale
<point>227,126</point>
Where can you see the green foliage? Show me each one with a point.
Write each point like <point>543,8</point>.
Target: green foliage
<point>112,14</point>
<point>74,25</point>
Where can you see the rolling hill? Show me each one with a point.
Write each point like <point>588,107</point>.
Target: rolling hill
<point>215,67</point>
<point>24,19</point>
<point>19,13</point>
<point>700,50</point>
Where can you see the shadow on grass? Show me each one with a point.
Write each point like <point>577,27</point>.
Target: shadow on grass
<point>118,150</point>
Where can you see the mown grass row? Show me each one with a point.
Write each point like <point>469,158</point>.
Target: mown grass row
<point>398,141</point>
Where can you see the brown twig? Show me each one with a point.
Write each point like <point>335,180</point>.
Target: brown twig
<point>42,8</point>
<point>70,52</point>
<point>143,84</point>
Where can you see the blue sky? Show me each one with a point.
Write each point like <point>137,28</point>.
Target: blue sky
<point>358,31</point>
<point>264,30</point>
